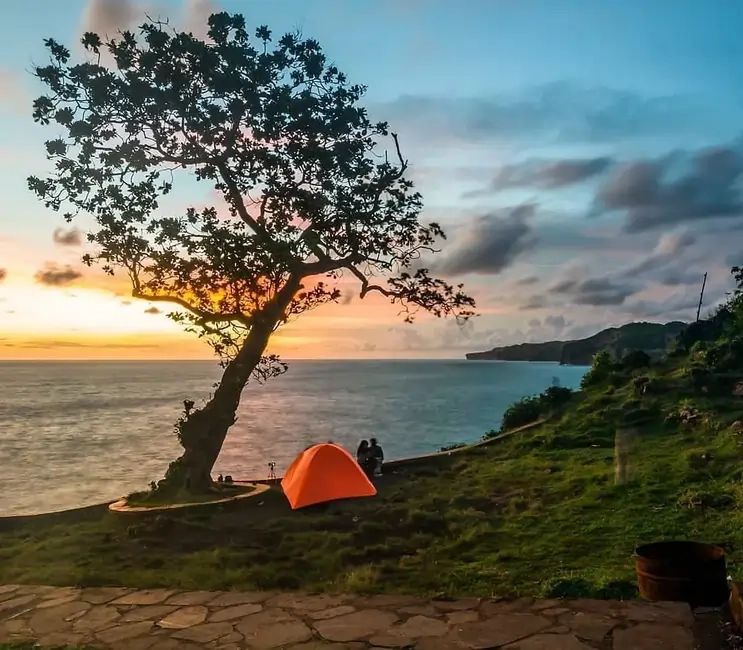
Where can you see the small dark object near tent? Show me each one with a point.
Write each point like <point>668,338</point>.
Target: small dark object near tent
<point>324,472</point>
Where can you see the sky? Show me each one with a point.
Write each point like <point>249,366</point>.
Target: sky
<point>585,159</point>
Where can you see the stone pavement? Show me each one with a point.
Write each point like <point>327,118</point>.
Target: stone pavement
<point>161,619</point>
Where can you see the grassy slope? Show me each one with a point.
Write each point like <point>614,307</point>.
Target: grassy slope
<point>537,514</point>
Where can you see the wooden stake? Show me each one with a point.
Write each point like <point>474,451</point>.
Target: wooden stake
<point>701,295</point>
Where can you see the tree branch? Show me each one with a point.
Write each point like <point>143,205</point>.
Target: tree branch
<point>203,316</point>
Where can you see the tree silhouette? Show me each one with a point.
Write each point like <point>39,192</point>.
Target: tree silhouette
<point>277,132</point>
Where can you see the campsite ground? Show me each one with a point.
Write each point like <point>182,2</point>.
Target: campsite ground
<point>537,514</point>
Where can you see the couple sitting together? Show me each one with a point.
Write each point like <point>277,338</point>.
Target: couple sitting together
<point>370,457</point>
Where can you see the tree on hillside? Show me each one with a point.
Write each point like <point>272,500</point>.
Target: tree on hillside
<point>278,133</point>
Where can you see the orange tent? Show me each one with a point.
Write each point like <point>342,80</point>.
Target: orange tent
<point>325,472</point>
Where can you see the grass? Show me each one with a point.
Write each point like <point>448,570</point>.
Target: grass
<point>537,514</point>
<point>221,491</point>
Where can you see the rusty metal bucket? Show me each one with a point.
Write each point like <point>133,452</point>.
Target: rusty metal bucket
<point>689,572</point>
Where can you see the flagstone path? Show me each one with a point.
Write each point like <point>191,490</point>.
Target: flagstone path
<point>163,619</point>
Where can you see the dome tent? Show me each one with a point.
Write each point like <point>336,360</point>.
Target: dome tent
<point>324,472</point>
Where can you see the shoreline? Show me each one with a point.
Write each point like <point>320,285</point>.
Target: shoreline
<point>10,521</point>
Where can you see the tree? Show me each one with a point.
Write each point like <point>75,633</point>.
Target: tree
<point>278,133</point>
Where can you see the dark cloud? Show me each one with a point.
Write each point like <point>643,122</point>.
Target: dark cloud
<point>556,112</point>
<point>153,310</point>
<point>674,306</point>
<point>71,237</point>
<point>679,276</point>
<point>558,323</point>
<point>3,274</point>
<point>54,275</point>
<point>595,292</point>
<point>546,174</point>
<point>490,243</point>
<point>534,302</point>
<point>677,188</point>
<point>534,322</point>
<point>669,247</point>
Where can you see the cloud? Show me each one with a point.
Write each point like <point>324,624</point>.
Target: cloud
<point>108,17</point>
<point>71,237</point>
<point>677,188</point>
<point>54,275</point>
<point>534,302</point>
<point>490,243</point>
<point>14,97</point>
<point>153,310</point>
<point>552,113</point>
<point>594,292</point>
<point>196,16</point>
<point>545,174</point>
<point>669,247</point>
<point>3,274</point>
<point>528,280</point>
<point>557,323</point>
<point>48,344</point>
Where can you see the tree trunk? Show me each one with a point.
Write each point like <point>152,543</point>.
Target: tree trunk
<point>202,433</point>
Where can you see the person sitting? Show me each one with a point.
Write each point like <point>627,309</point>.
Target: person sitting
<point>377,456</point>
<point>364,459</point>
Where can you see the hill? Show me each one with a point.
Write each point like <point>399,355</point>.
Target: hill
<point>652,338</point>
<point>645,451</point>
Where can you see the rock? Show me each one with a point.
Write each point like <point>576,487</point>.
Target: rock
<point>237,611</point>
<point>97,618</point>
<point>457,618</point>
<point>356,626</point>
<point>56,639</point>
<point>554,611</point>
<point>144,597</point>
<point>306,603</point>
<point>456,605</point>
<point>148,612</point>
<point>550,642</point>
<point>124,632</point>
<point>490,608</point>
<point>587,625</point>
<point>16,603</point>
<point>45,604</point>
<point>650,636</point>
<point>184,617</point>
<point>54,619</point>
<point>191,598</point>
<point>406,633</point>
<point>499,630</point>
<point>332,612</point>
<point>271,628</point>
<point>666,613</point>
<point>100,595</point>
<point>230,598</point>
<point>203,633</point>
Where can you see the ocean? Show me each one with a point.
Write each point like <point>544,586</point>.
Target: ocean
<point>80,433</point>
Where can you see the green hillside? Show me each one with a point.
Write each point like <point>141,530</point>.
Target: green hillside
<point>652,338</point>
<point>539,513</point>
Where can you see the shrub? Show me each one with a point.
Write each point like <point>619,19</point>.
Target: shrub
<point>525,411</point>
<point>602,365</point>
<point>635,359</point>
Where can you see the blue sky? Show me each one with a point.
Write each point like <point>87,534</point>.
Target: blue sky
<point>533,128</point>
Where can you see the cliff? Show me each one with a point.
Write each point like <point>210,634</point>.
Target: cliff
<point>652,338</point>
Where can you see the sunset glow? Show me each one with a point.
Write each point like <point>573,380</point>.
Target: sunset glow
<point>527,152</point>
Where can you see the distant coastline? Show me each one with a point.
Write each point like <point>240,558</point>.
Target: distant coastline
<point>652,338</point>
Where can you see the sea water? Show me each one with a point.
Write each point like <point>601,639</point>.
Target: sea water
<point>79,433</point>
